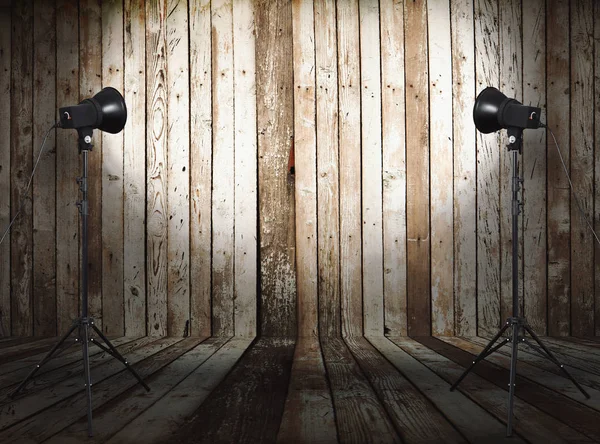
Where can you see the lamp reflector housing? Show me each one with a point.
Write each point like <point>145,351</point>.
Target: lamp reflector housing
<point>106,111</point>
<point>493,111</point>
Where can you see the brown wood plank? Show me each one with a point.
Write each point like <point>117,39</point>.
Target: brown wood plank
<point>596,20</point>
<point>10,341</point>
<point>359,414</point>
<point>532,425</point>
<point>14,352</point>
<point>90,82</point>
<point>417,170</point>
<point>349,138</point>
<point>415,417</point>
<point>560,407</point>
<point>156,164</point>
<point>558,218</point>
<point>165,417</point>
<point>44,185</point>
<point>308,415</point>
<point>64,411</point>
<point>254,392</point>
<point>21,164</point>
<point>472,420</point>
<point>275,122</point>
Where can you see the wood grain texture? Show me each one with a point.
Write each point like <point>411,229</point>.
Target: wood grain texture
<point>44,185</point>
<point>393,127</point>
<point>597,161</point>
<point>156,164</point>
<point>275,120</point>
<point>68,168</point>
<point>246,248</point>
<point>582,168</point>
<point>5,142</point>
<point>534,169</point>
<point>371,172</point>
<point>200,167</point>
<point>465,168</point>
<point>134,170</point>
<point>223,210</point>
<point>178,157</point>
<point>90,82</point>
<point>349,164</point>
<point>487,64</point>
<point>417,171</point>
<point>328,193</point>
<point>441,187</point>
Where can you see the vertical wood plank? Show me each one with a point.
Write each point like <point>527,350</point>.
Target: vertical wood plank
<point>582,167</point>
<point>328,211</point>
<point>394,167</point>
<point>44,184</point>
<point>440,115</point>
<point>223,211</point>
<point>487,64</point>
<point>275,119</point>
<point>156,160</point>
<point>21,101</point>
<point>597,160</point>
<point>349,167</point>
<point>200,167</point>
<point>245,169</point>
<point>68,168</point>
<point>305,167</point>
<point>417,170</point>
<point>90,82</point>
<point>534,169</point>
<point>5,144</point>
<point>134,175</point>
<point>511,67</point>
<point>558,219</point>
<point>465,168</point>
<point>372,199</point>
<point>178,293</point>
<point>113,314</point>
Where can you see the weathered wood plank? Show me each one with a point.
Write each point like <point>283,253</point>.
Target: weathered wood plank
<point>582,168</point>
<point>10,353</point>
<point>394,167</point>
<point>465,168</point>
<point>44,185</point>
<point>360,417</point>
<point>200,167</point>
<point>349,166</point>
<point>275,119</point>
<point>305,154</point>
<point>178,156</point>
<point>472,420</point>
<point>535,302</point>
<point>487,62</point>
<point>90,82</point>
<point>308,415</point>
<point>417,171</point>
<point>558,218</point>
<point>5,144</point>
<point>372,199</point>
<point>165,417</point>
<point>597,161</point>
<point>246,249</point>
<point>441,204</point>
<point>134,170</point>
<point>411,412</point>
<point>21,144</point>
<point>67,168</point>
<point>156,164</point>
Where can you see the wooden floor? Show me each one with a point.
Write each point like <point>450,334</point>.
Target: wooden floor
<point>360,390</point>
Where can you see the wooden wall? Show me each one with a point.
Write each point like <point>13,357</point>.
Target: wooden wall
<point>300,167</point>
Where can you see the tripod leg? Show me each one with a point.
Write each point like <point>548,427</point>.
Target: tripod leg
<point>117,355</point>
<point>552,358</point>
<point>87,375</point>
<point>513,374</point>
<point>44,360</point>
<point>485,352</point>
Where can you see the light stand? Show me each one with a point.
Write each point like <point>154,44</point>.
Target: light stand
<point>517,323</point>
<point>84,324</point>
